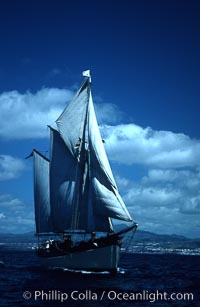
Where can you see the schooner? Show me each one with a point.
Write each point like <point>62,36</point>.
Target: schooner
<point>75,194</point>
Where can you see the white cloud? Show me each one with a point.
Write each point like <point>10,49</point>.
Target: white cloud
<point>167,220</point>
<point>152,195</point>
<point>122,182</point>
<point>132,144</point>
<point>189,179</point>
<point>2,216</point>
<point>191,205</point>
<point>10,167</point>
<point>108,113</point>
<point>166,201</point>
<point>27,115</point>
<point>16,216</point>
<point>10,203</point>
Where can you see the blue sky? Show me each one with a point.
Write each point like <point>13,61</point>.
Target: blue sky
<point>144,61</point>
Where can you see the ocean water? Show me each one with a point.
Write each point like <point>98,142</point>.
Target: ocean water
<point>141,280</point>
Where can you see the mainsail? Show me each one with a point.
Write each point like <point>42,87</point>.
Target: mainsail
<point>83,192</point>
<point>63,168</point>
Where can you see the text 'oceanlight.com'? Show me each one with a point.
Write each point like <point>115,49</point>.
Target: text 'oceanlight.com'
<point>111,295</point>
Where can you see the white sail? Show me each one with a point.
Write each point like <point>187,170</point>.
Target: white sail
<point>106,199</point>
<point>69,192</point>
<point>41,194</point>
<point>76,194</point>
<point>62,183</point>
<point>108,202</point>
<point>71,122</point>
<point>83,192</point>
<point>97,222</point>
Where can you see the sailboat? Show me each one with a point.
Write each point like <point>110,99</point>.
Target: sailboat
<point>75,194</point>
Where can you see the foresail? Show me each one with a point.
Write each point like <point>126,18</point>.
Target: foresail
<point>41,194</point>
<point>97,222</point>
<point>71,122</point>
<point>107,202</point>
<point>106,199</point>
<point>98,158</point>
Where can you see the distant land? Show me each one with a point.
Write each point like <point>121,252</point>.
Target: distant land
<point>143,242</point>
<point>148,242</point>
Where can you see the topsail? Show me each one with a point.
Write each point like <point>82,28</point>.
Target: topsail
<point>71,122</point>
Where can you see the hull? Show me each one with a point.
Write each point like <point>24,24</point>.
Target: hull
<point>99,259</point>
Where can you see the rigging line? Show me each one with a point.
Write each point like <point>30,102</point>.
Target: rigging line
<point>35,184</point>
<point>128,242</point>
<point>74,199</point>
<point>90,219</point>
<point>90,213</point>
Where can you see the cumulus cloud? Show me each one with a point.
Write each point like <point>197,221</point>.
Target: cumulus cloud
<point>2,216</point>
<point>108,113</point>
<point>189,179</point>
<point>165,201</point>
<point>166,198</point>
<point>26,115</point>
<point>132,144</point>
<point>15,215</point>
<point>10,167</point>
<point>165,212</point>
<point>153,195</point>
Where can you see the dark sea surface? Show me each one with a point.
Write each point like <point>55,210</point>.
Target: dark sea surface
<point>148,274</point>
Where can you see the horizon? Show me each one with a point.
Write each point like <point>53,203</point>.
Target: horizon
<point>144,62</point>
<point>140,230</point>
